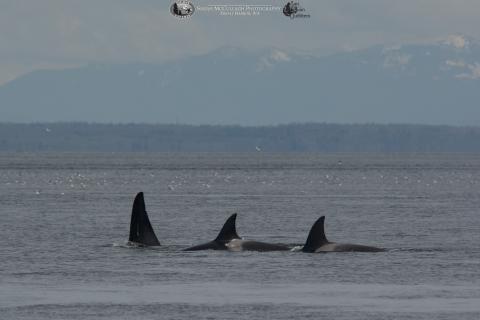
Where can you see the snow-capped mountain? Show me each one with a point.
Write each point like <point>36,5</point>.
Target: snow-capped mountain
<point>433,83</point>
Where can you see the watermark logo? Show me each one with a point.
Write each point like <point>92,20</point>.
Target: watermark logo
<point>182,8</point>
<point>239,10</point>
<point>293,10</point>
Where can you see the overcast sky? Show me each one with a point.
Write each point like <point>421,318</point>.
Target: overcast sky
<point>58,33</point>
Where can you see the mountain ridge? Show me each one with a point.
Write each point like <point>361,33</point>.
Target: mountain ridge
<point>418,83</point>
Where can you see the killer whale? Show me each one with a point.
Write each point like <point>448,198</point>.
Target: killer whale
<point>142,234</point>
<point>141,231</point>
<point>228,239</point>
<point>318,242</point>
<point>226,234</point>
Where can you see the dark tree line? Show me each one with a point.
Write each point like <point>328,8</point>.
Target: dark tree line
<point>283,138</point>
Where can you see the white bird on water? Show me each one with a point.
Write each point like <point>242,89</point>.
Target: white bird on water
<point>258,148</point>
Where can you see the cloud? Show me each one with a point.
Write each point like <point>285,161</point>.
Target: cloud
<point>87,30</point>
<point>474,73</point>
<point>72,32</point>
<point>269,61</point>
<point>394,58</point>
<point>456,63</point>
<point>280,56</point>
<point>458,41</point>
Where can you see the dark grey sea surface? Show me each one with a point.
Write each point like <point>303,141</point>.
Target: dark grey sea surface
<point>65,217</point>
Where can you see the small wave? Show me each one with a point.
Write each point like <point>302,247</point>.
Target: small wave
<point>424,250</point>
<point>130,245</point>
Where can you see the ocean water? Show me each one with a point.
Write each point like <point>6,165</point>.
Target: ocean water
<point>65,219</point>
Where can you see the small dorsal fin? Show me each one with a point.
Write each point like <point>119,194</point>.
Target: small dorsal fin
<point>141,230</point>
<point>229,230</point>
<point>316,237</point>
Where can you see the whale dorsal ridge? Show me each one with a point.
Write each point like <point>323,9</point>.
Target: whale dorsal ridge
<point>141,230</point>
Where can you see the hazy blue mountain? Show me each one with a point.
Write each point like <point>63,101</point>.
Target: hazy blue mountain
<point>436,83</point>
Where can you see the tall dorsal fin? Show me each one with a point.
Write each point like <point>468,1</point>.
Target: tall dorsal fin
<point>316,237</point>
<point>229,230</point>
<point>141,230</point>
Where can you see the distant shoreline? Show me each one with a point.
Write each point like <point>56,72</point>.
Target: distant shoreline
<point>296,137</point>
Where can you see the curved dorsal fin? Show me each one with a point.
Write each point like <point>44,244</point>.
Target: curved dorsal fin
<point>141,230</point>
<point>229,230</point>
<point>316,237</point>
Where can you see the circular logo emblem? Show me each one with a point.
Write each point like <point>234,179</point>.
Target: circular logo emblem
<point>182,9</point>
<point>290,9</point>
